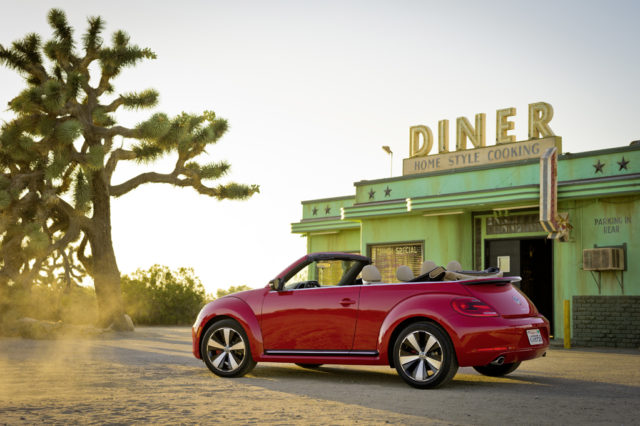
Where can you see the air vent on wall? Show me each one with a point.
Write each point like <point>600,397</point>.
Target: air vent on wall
<point>603,259</point>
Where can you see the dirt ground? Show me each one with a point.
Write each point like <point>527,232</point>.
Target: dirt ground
<point>150,376</point>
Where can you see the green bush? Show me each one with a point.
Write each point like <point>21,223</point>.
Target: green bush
<point>161,296</point>
<point>157,296</point>
<point>233,289</point>
<point>72,305</point>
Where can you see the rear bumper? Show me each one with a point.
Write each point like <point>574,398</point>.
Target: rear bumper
<point>482,345</point>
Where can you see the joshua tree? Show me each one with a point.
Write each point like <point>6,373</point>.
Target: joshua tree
<point>58,155</point>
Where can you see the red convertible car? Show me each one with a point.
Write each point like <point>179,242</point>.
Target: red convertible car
<point>331,308</point>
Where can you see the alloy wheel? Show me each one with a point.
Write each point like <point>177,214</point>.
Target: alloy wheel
<point>420,355</point>
<point>226,349</point>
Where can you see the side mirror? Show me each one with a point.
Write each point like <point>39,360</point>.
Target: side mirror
<point>274,284</point>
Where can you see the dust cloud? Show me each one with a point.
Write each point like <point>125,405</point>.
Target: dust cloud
<point>47,311</point>
<point>148,376</point>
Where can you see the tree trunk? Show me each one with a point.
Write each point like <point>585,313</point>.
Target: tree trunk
<point>105,273</point>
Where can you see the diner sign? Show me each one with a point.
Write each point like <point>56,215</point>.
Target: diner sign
<point>506,149</point>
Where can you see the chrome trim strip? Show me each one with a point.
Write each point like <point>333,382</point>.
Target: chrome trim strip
<point>320,353</point>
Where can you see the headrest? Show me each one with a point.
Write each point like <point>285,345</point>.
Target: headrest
<point>454,266</point>
<point>427,265</point>
<point>404,273</point>
<point>370,274</point>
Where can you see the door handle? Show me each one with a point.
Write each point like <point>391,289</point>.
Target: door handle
<point>346,302</point>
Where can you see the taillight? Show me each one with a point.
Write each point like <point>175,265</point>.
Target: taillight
<point>473,307</point>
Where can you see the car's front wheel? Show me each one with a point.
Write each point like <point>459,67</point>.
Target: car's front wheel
<point>424,355</point>
<point>225,349</point>
<point>497,370</point>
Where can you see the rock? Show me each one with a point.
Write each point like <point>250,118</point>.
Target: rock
<point>32,328</point>
<point>124,323</point>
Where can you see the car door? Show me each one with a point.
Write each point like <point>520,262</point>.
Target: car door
<point>310,319</point>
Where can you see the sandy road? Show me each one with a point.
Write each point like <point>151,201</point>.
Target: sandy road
<point>150,376</point>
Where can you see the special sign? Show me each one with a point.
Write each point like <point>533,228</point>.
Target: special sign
<point>506,148</point>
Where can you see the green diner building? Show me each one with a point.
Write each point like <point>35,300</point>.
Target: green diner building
<point>486,206</point>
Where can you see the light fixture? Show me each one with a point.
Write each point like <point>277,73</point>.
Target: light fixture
<point>443,213</point>
<point>386,149</point>
<point>531,206</point>
<point>313,234</point>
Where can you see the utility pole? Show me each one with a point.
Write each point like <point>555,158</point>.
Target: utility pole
<point>386,149</point>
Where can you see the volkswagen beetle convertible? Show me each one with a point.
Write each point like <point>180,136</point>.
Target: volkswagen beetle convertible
<point>332,308</point>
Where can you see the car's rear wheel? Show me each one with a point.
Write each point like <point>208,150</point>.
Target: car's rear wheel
<point>225,349</point>
<point>424,356</point>
<point>497,370</point>
<point>308,365</point>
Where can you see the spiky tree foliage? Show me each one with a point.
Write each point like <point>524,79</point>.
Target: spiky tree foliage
<point>58,156</point>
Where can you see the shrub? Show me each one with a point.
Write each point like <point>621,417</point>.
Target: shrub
<point>72,305</point>
<point>162,296</point>
<point>233,289</point>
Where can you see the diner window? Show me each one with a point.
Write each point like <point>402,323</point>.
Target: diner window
<point>387,258</point>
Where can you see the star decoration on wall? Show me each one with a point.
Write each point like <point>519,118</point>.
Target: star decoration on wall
<point>387,191</point>
<point>623,164</point>
<point>372,193</point>
<point>314,211</point>
<point>327,210</point>
<point>599,167</point>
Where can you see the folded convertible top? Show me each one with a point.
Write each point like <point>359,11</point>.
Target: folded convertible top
<point>441,274</point>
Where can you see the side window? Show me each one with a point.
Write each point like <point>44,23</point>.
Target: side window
<point>324,273</point>
<point>330,272</point>
<point>300,279</point>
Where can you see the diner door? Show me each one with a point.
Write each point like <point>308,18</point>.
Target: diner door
<point>531,259</point>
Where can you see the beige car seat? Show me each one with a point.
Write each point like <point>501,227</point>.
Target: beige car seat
<point>370,275</point>
<point>454,266</point>
<point>427,265</point>
<point>404,273</point>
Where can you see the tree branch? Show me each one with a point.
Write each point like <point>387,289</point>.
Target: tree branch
<point>112,162</point>
<point>84,223</point>
<point>86,261</point>
<point>21,181</point>
<point>150,177</point>
<point>67,268</point>
<point>193,180</point>
<point>114,105</point>
<point>117,131</point>
<point>103,85</point>
<point>28,276</point>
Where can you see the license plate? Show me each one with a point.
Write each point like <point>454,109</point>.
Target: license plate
<point>535,338</point>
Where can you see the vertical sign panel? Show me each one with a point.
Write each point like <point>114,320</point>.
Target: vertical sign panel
<point>549,190</point>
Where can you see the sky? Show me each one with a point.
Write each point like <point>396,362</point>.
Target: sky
<point>313,90</point>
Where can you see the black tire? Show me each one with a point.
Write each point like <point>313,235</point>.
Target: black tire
<point>225,349</point>
<point>424,356</point>
<point>497,370</point>
<point>308,365</point>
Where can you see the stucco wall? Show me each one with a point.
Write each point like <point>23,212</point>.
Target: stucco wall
<point>445,238</point>
<point>584,215</point>
<point>346,240</point>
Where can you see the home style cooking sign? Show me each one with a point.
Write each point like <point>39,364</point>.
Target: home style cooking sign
<point>506,149</point>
